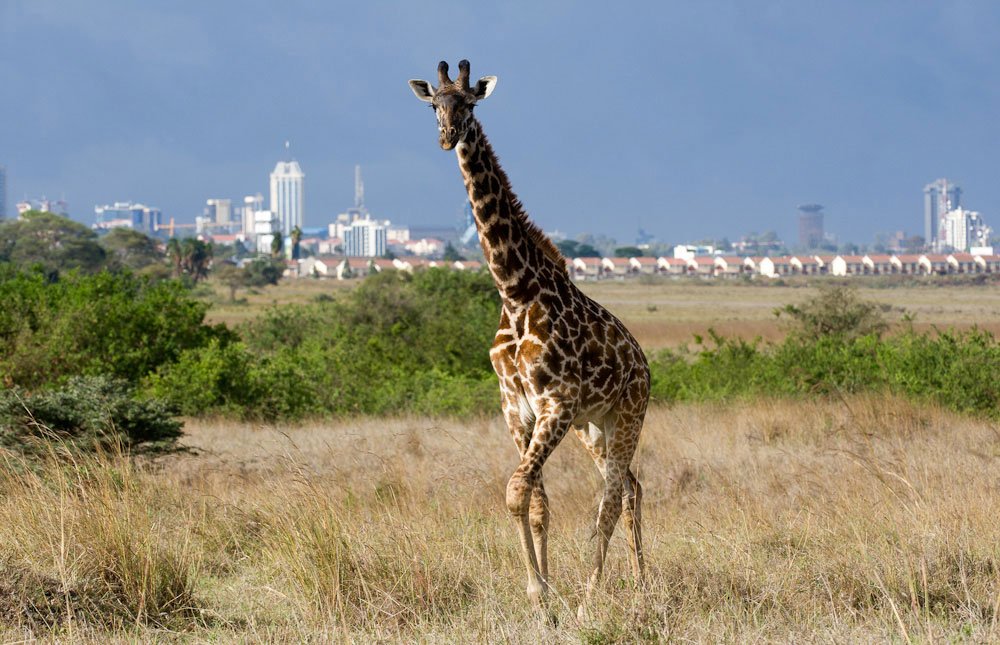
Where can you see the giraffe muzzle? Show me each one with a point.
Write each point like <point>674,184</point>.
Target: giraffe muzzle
<point>449,137</point>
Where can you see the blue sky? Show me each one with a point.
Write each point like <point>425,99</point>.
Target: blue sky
<point>692,120</point>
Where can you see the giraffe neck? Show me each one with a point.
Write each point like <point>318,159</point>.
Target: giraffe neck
<point>517,252</point>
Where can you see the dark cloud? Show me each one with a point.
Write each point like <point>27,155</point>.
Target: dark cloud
<point>693,119</point>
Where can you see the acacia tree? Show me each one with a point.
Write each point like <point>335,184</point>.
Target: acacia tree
<point>232,276</point>
<point>55,242</point>
<point>130,248</point>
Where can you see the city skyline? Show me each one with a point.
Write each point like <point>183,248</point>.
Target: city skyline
<point>738,116</point>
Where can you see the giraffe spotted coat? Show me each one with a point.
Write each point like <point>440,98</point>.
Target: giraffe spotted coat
<point>563,360</point>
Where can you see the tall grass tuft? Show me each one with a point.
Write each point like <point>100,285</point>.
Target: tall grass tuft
<point>117,547</point>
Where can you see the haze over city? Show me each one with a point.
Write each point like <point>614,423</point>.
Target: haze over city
<point>691,121</point>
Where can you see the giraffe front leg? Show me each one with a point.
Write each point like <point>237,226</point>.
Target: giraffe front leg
<point>527,502</point>
<point>519,492</point>
<point>538,518</point>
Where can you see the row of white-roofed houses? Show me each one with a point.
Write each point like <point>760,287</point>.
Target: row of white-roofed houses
<point>593,268</point>
<point>342,267</point>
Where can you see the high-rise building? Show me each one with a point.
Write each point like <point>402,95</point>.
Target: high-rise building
<point>3,192</point>
<point>940,197</point>
<point>265,227</point>
<point>251,204</point>
<point>126,214</point>
<point>219,211</point>
<point>365,238</point>
<point>963,230</point>
<point>810,226</point>
<point>287,196</point>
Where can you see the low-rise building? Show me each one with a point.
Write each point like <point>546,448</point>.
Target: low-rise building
<point>616,267</point>
<point>588,268</point>
<point>672,266</point>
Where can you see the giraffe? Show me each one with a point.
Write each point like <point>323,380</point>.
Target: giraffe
<point>562,359</point>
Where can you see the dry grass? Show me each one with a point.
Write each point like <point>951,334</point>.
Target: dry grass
<point>863,520</point>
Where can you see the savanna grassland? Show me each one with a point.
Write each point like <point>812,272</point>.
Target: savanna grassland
<point>857,520</point>
<point>861,505</point>
<point>664,312</point>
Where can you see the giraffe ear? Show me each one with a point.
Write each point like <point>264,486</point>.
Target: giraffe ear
<point>422,89</point>
<point>484,87</point>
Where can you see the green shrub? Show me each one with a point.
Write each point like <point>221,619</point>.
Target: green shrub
<point>836,311</point>
<point>108,323</point>
<point>835,347</point>
<point>92,412</point>
<point>397,344</point>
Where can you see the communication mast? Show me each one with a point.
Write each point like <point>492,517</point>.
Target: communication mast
<point>359,189</point>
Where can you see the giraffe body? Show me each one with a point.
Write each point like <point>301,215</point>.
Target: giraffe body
<point>563,361</point>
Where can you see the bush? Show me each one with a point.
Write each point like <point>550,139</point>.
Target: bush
<point>87,413</point>
<point>397,344</point>
<point>109,323</point>
<point>836,348</point>
<point>836,311</point>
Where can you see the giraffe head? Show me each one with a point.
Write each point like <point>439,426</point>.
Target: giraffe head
<point>453,101</point>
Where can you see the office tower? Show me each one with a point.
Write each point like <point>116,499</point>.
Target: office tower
<point>251,204</point>
<point>287,196</point>
<point>810,226</point>
<point>940,197</point>
<point>963,230</point>
<point>219,211</point>
<point>136,216</point>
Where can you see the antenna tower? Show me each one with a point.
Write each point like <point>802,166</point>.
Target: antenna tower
<point>359,189</point>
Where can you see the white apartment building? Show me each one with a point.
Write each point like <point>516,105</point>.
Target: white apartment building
<point>265,225</point>
<point>365,238</point>
<point>962,230</point>
<point>251,204</point>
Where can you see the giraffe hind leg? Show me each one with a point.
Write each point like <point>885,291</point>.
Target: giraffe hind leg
<point>632,518</point>
<point>612,450</point>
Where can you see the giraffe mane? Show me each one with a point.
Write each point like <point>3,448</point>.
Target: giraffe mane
<point>519,214</point>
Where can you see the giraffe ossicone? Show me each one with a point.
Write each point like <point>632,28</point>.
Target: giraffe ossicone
<point>563,360</point>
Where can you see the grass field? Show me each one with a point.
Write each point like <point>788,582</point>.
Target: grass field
<point>667,313</point>
<point>862,520</point>
<point>858,520</point>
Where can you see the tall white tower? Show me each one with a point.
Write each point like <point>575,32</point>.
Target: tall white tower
<point>287,195</point>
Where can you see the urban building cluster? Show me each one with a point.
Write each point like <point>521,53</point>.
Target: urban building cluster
<point>257,226</point>
<point>264,225</point>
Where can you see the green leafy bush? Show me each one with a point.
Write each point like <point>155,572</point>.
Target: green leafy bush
<point>108,323</point>
<point>86,413</point>
<point>837,348</point>
<point>399,343</point>
<point>836,311</point>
